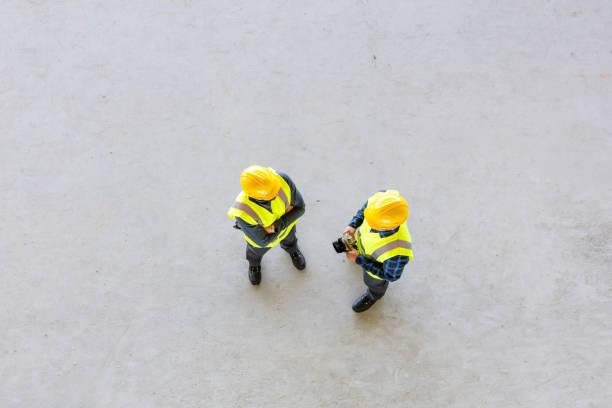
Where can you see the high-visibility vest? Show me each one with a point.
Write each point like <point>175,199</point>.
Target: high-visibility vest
<point>254,214</point>
<point>373,247</point>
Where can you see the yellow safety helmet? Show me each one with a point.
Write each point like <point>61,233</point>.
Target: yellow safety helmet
<point>259,182</point>
<point>387,211</point>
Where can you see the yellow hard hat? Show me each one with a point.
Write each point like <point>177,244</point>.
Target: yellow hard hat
<point>259,182</point>
<point>387,211</point>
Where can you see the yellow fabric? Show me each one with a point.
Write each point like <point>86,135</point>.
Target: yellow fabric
<point>256,214</point>
<point>368,242</point>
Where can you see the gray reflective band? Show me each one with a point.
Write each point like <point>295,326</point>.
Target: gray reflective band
<point>359,238</point>
<point>283,196</point>
<point>248,210</point>
<point>391,245</point>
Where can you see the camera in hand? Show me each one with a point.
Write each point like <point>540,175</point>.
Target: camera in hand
<point>344,244</point>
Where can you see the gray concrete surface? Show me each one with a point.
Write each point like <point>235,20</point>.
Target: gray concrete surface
<point>125,125</point>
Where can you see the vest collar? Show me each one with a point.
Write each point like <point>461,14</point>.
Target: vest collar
<point>385,233</point>
<point>267,204</point>
<point>260,202</point>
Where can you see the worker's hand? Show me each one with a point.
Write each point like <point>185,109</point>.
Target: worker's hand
<point>288,210</point>
<point>270,229</point>
<point>352,254</point>
<point>349,230</point>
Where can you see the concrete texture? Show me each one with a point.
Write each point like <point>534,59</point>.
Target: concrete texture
<point>125,125</point>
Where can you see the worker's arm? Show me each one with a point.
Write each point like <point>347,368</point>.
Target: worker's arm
<point>299,206</point>
<point>355,222</point>
<point>389,270</point>
<point>257,233</point>
<point>358,218</point>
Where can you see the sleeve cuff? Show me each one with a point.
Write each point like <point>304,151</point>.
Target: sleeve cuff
<point>355,223</point>
<point>360,259</point>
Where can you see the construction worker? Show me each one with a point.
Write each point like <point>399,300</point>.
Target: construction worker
<point>384,245</point>
<point>266,211</point>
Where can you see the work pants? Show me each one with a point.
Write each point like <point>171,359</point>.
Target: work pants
<point>376,287</point>
<point>254,254</point>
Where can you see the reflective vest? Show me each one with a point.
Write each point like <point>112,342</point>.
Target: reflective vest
<point>254,214</point>
<point>373,247</point>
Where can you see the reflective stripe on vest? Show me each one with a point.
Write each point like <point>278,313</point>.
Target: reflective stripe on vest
<point>283,196</point>
<point>252,213</point>
<point>391,245</point>
<point>244,207</point>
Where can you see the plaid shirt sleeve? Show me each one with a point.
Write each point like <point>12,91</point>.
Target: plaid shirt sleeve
<point>358,218</point>
<point>390,270</point>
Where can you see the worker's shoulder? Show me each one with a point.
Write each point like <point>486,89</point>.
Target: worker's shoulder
<point>286,177</point>
<point>240,197</point>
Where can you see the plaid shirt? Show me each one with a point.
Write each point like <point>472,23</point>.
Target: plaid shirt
<point>389,270</point>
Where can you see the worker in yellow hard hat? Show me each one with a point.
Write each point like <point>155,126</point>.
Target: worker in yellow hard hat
<point>266,210</point>
<point>383,244</point>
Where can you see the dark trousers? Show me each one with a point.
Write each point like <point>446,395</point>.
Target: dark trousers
<point>376,287</point>
<point>254,254</point>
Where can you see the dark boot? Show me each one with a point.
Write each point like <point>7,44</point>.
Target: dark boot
<point>255,274</point>
<point>298,259</point>
<point>363,302</point>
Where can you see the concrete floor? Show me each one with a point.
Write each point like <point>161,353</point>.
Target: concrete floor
<point>125,125</point>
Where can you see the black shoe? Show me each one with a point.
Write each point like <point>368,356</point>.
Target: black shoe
<point>363,303</point>
<point>298,259</point>
<point>255,274</point>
